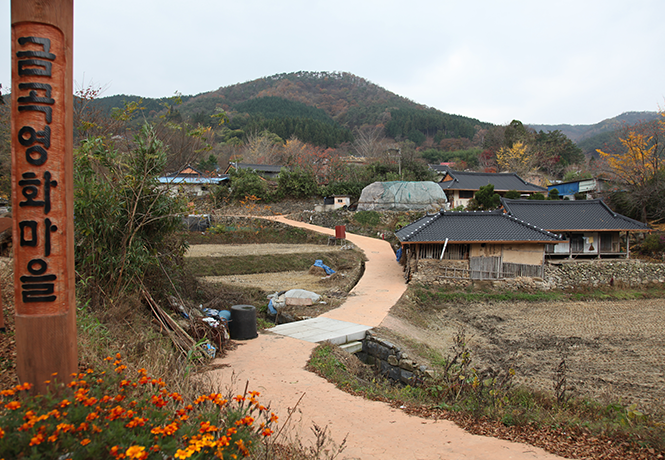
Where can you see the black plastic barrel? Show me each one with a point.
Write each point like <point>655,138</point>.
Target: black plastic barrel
<point>243,322</point>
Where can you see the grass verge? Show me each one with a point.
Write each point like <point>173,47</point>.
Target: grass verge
<point>269,263</point>
<point>491,405</point>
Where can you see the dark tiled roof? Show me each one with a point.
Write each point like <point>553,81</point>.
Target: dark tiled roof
<point>563,215</point>
<point>260,168</point>
<point>502,182</point>
<point>470,226</point>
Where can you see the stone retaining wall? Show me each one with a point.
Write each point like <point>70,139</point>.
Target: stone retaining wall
<point>631,273</point>
<point>558,275</point>
<point>391,362</point>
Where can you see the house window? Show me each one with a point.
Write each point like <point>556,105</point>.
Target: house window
<point>466,194</point>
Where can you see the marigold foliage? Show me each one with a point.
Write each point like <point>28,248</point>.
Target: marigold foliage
<point>128,418</point>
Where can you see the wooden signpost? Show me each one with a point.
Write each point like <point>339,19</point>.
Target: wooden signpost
<point>42,190</point>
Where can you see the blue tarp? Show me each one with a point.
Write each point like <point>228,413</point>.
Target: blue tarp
<point>398,254</point>
<point>319,263</point>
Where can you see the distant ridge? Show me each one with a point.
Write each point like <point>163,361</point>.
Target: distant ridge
<point>578,133</point>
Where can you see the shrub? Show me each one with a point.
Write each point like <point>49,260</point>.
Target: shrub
<point>247,183</point>
<point>297,184</point>
<point>123,218</point>
<point>653,244</point>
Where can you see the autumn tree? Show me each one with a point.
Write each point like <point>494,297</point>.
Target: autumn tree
<point>518,159</point>
<point>640,168</point>
<point>262,148</point>
<point>370,141</point>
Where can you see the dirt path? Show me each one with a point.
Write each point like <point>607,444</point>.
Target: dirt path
<point>274,365</point>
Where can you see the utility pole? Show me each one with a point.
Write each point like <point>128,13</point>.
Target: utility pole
<point>42,190</point>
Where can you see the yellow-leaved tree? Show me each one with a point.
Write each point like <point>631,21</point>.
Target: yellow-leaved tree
<point>638,164</point>
<point>640,169</point>
<point>518,159</point>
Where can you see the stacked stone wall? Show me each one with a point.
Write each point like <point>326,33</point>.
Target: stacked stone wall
<point>391,361</point>
<point>558,275</point>
<point>629,273</point>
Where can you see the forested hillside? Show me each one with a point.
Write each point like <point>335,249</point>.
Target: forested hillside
<point>321,108</point>
<point>602,135</point>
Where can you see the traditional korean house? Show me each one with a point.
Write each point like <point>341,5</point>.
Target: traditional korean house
<point>266,171</point>
<point>492,244</point>
<point>190,181</point>
<point>461,186</point>
<point>590,227</point>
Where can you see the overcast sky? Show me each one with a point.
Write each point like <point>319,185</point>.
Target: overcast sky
<point>574,62</point>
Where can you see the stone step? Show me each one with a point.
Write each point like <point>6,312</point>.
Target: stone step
<point>352,347</point>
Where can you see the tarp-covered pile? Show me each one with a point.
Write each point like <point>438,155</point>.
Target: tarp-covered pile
<point>402,196</point>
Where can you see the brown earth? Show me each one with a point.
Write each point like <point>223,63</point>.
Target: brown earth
<point>613,350</point>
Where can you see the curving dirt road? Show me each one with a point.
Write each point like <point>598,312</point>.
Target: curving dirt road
<point>274,365</point>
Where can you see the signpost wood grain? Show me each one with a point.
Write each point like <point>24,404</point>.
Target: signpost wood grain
<point>42,190</point>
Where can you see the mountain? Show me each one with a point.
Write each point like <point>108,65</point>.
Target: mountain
<point>578,133</point>
<point>603,135</point>
<point>304,102</point>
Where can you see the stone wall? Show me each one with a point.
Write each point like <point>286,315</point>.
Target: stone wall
<point>630,273</point>
<point>558,274</point>
<point>391,362</point>
<point>432,271</point>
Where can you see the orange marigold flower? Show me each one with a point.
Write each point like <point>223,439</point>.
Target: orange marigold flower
<point>37,440</point>
<point>119,369</point>
<point>200,399</point>
<point>273,417</point>
<point>85,442</point>
<point>82,427</point>
<point>118,355</point>
<point>119,398</point>
<point>108,358</point>
<point>267,432</point>
<point>64,403</point>
<point>239,398</point>
<point>136,421</point>
<point>89,402</point>
<point>53,437</point>
<point>25,387</point>
<point>115,413</point>
<point>207,427</point>
<point>158,401</point>
<point>13,405</point>
<point>136,452</point>
<point>2,433</point>
<point>7,393</point>
<point>91,416</point>
<point>55,413</point>
<point>65,427</point>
